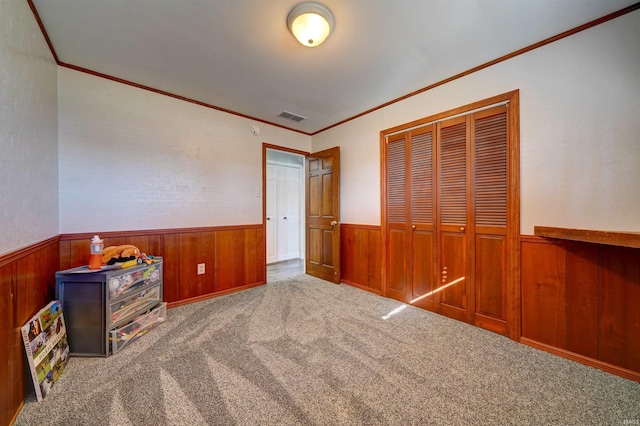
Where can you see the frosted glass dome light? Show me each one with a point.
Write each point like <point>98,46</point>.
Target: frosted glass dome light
<point>310,23</point>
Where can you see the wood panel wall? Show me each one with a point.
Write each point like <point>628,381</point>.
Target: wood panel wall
<point>27,283</point>
<point>580,300</point>
<point>361,256</point>
<point>233,258</point>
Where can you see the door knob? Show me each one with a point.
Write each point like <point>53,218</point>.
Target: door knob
<point>268,218</point>
<point>334,223</point>
<point>462,229</point>
<point>413,227</point>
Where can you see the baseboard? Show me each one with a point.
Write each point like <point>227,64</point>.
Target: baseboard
<point>15,416</point>
<point>361,287</point>
<point>212,295</point>
<point>601,365</point>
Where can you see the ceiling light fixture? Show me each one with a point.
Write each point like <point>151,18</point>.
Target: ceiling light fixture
<point>310,23</point>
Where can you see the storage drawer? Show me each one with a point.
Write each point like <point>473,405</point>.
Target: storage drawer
<point>121,337</point>
<point>130,281</point>
<point>138,301</point>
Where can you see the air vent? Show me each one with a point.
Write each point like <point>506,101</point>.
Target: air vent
<point>291,116</point>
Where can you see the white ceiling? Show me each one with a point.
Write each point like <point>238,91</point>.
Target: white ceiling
<point>238,54</point>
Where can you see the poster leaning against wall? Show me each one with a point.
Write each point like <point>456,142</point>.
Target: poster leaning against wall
<point>46,346</point>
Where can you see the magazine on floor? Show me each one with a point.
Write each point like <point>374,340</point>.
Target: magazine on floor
<point>47,348</point>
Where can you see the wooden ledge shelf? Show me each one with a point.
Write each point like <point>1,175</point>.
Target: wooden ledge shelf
<point>623,239</point>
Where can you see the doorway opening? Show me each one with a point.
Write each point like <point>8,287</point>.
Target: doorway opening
<point>283,211</point>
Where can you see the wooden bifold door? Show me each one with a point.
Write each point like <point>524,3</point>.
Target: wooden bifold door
<point>449,223</point>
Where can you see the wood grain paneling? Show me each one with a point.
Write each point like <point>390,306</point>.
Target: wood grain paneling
<point>619,276</point>
<point>190,256</point>
<point>490,280</point>
<point>225,265</point>
<point>397,269</point>
<point>233,257</point>
<point>9,400</point>
<point>543,293</point>
<point>579,300</point>
<point>170,252</point>
<point>209,259</point>
<point>582,299</point>
<point>453,301</point>
<point>252,256</point>
<point>422,265</point>
<point>140,241</point>
<point>27,280</point>
<point>361,256</point>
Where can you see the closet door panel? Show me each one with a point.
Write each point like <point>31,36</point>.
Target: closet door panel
<point>423,260</point>
<point>490,282</point>
<point>397,287</point>
<point>453,173</point>
<point>489,159</point>
<point>453,281</point>
<point>397,218</point>
<point>453,153</point>
<point>490,168</point>
<point>423,239</point>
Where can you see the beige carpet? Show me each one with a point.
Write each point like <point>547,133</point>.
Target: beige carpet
<point>304,351</point>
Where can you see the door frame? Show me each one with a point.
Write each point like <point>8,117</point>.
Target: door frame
<point>513,268</point>
<point>265,147</point>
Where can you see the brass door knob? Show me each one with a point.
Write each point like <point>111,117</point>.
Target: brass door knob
<point>413,227</point>
<point>462,229</point>
<point>334,223</point>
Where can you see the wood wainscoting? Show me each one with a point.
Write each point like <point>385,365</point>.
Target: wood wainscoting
<point>361,256</point>
<point>580,301</point>
<point>233,257</point>
<point>27,283</point>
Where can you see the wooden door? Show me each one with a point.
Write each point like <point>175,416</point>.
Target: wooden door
<point>396,217</point>
<point>410,213</point>
<point>323,215</point>
<point>489,160</point>
<point>422,236</point>
<point>455,281</point>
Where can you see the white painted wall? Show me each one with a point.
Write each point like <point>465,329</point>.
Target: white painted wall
<point>580,131</point>
<point>28,131</point>
<point>131,159</point>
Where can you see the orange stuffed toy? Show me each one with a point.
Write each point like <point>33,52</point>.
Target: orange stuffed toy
<point>123,253</point>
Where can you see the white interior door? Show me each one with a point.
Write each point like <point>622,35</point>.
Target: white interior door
<point>272,219</point>
<point>284,195</point>
<point>290,185</point>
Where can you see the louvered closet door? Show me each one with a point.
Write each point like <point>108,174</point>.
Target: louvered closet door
<point>489,159</point>
<point>453,182</point>
<point>422,234</point>
<point>396,169</point>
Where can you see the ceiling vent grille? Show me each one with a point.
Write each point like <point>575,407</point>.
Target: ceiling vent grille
<point>291,116</point>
